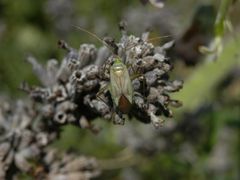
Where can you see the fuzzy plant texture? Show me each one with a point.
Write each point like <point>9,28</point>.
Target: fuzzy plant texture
<point>76,91</point>
<point>25,134</point>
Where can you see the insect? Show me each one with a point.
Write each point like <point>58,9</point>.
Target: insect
<point>120,86</point>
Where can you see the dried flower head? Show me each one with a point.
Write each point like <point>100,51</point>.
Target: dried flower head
<point>77,88</point>
<point>25,133</point>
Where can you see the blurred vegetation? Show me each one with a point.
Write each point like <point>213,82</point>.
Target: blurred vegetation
<point>211,93</point>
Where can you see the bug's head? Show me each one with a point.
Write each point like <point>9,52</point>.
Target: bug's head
<point>117,61</point>
<point>118,67</point>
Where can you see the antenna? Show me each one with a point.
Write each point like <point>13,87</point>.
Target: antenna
<point>107,45</point>
<point>160,37</point>
<point>95,36</point>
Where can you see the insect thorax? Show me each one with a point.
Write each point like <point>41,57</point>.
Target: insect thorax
<point>118,68</point>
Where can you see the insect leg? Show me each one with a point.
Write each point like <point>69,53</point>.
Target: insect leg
<point>135,76</point>
<point>134,71</point>
<point>101,91</point>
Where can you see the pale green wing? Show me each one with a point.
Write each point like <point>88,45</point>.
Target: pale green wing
<point>120,85</point>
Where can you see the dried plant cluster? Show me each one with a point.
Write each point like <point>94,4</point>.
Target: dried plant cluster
<point>68,95</point>
<point>69,92</point>
<point>24,136</point>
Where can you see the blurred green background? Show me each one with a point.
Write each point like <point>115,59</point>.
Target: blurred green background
<point>206,145</point>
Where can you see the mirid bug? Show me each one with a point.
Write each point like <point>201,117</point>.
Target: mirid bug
<point>121,86</point>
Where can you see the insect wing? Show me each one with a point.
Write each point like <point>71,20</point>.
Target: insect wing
<point>120,83</point>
